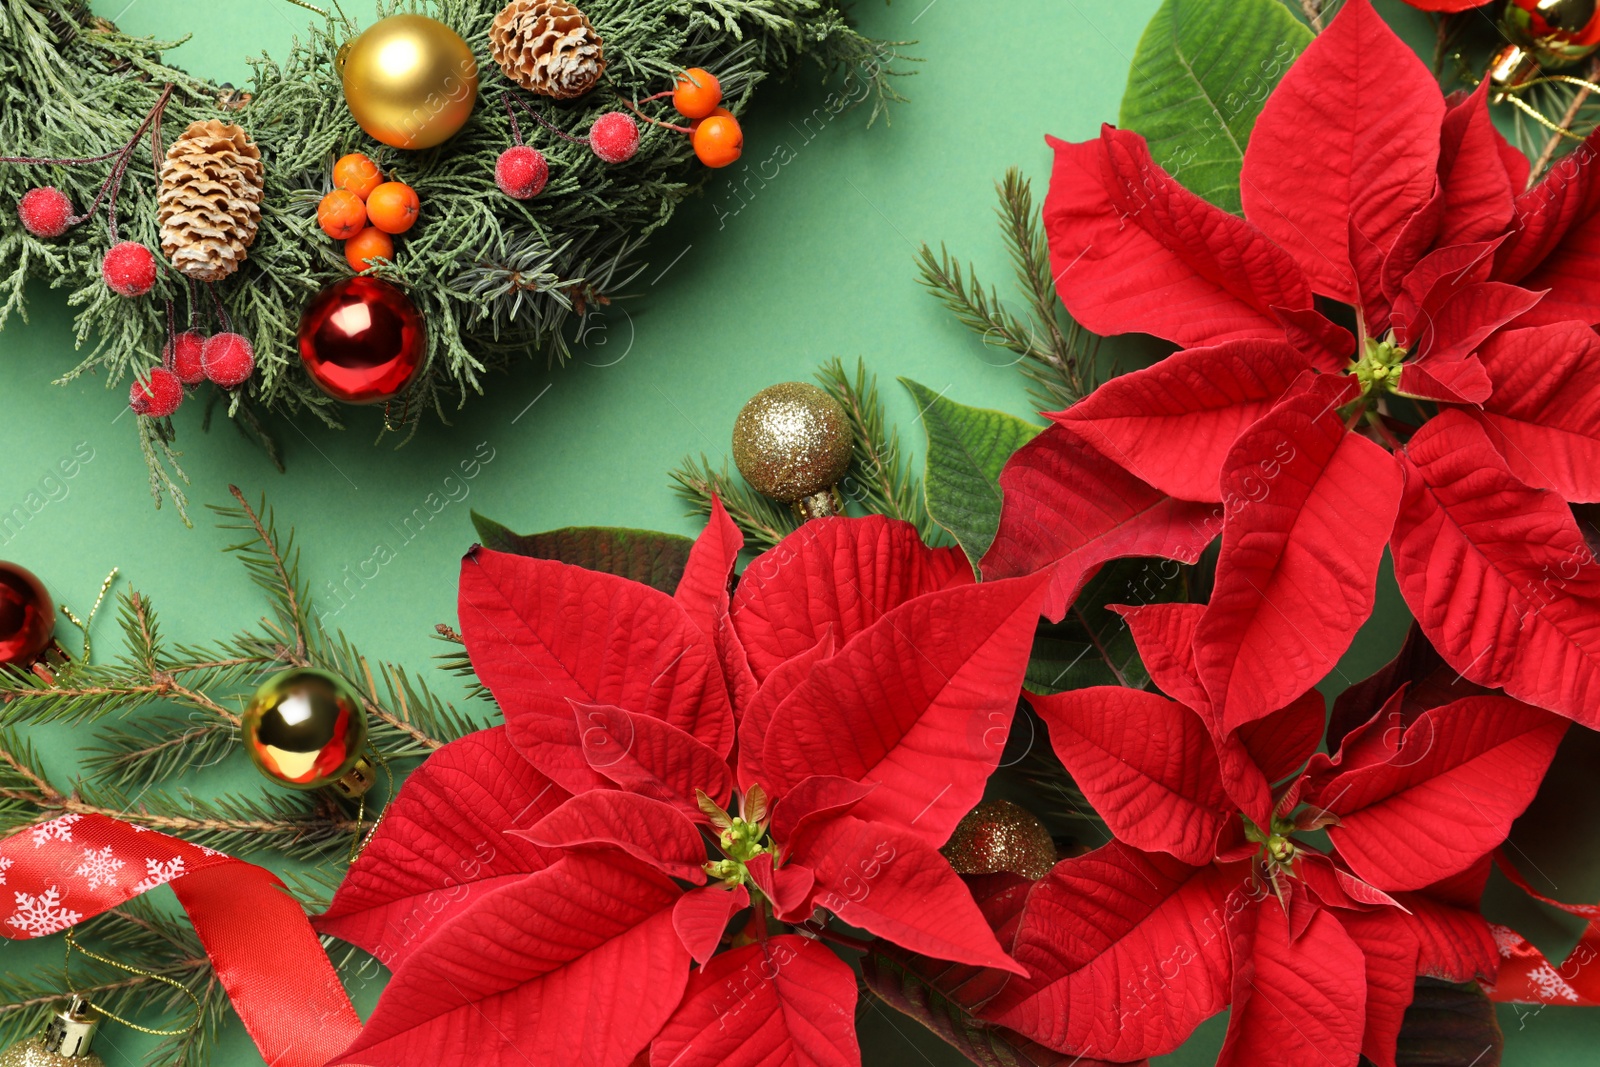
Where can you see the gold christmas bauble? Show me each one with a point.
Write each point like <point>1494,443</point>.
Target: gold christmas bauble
<point>997,836</point>
<point>34,1053</point>
<point>792,442</point>
<point>306,729</point>
<point>410,81</point>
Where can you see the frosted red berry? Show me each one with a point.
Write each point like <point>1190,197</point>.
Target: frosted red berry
<point>228,359</point>
<point>614,137</point>
<point>158,396</point>
<point>129,269</point>
<point>522,172</point>
<point>181,356</point>
<point>45,212</point>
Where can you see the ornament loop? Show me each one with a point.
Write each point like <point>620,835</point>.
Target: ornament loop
<point>72,943</point>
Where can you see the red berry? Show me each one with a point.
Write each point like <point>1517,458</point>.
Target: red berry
<point>45,212</point>
<point>159,396</point>
<point>129,269</point>
<point>228,359</point>
<point>522,172</point>
<point>614,137</point>
<point>181,356</point>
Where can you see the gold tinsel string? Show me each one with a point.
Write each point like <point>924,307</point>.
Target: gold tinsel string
<point>84,624</point>
<point>359,845</point>
<point>72,943</point>
<point>1510,96</point>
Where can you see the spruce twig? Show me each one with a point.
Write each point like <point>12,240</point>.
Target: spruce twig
<point>1058,356</point>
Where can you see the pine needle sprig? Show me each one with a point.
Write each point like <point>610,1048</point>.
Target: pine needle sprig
<point>1057,355</point>
<point>763,522</point>
<point>881,479</point>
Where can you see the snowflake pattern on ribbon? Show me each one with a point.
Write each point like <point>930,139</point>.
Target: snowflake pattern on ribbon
<point>5,865</point>
<point>42,915</point>
<point>1551,985</point>
<point>99,867</point>
<point>58,829</point>
<point>159,872</point>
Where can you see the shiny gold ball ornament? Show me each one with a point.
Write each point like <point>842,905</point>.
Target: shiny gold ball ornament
<point>997,836</point>
<point>410,81</point>
<point>792,442</point>
<point>1544,35</point>
<point>306,729</point>
<point>65,1042</point>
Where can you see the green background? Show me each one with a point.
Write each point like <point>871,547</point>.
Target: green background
<point>758,281</point>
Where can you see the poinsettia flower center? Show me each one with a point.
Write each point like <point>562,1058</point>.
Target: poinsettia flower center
<point>1378,370</point>
<point>740,839</point>
<point>1278,847</point>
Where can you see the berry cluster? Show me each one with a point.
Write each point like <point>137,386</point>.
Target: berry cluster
<point>366,212</point>
<point>522,171</point>
<point>129,268</point>
<point>225,359</point>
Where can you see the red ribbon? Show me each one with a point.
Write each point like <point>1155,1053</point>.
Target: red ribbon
<point>1527,977</point>
<point>58,873</point>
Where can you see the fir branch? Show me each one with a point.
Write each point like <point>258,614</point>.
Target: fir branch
<point>880,479</point>
<point>1059,360</point>
<point>763,522</point>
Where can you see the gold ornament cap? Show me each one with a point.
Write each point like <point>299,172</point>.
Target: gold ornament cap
<point>411,81</point>
<point>65,1041</point>
<point>792,442</point>
<point>999,836</point>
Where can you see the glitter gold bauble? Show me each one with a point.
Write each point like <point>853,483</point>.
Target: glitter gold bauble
<point>306,729</point>
<point>64,1044</point>
<point>792,442</point>
<point>997,836</point>
<point>410,81</point>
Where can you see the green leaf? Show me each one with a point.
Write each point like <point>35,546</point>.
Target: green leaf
<point>1093,645</point>
<point>1202,73</point>
<point>1448,1025</point>
<point>967,447</point>
<point>656,559</point>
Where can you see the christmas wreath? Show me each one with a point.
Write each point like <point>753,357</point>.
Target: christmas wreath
<point>510,174</point>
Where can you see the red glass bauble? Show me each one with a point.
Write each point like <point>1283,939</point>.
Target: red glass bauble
<point>362,340</point>
<point>27,616</point>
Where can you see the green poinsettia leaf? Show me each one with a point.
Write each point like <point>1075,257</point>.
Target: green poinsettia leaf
<point>931,992</point>
<point>967,447</point>
<point>1202,73</point>
<point>656,559</point>
<point>1448,1025</point>
<point>1092,645</point>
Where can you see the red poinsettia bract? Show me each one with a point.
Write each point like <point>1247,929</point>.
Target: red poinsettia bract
<point>1284,430</point>
<point>616,874</point>
<point>1198,904</point>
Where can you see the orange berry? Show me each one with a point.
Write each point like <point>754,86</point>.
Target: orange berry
<point>697,93</point>
<point>393,207</point>
<point>341,214</point>
<point>371,243</point>
<point>358,174</point>
<point>718,140</point>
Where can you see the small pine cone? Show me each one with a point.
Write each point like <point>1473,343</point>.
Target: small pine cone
<point>547,47</point>
<point>210,204</point>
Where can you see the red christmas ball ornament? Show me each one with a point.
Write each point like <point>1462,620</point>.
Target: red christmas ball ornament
<point>129,269</point>
<point>45,212</point>
<point>362,340</point>
<point>182,356</point>
<point>228,359</point>
<point>27,616</point>
<point>614,137</point>
<point>157,397</point>
<point>522,172</point>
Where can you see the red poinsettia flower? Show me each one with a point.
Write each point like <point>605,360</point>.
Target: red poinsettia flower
<point>1286,431</point>
<point>562,888</point>
<point>1199,904</point>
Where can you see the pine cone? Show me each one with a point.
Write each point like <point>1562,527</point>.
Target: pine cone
<point>547,47</point>
<point>210,204</point>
